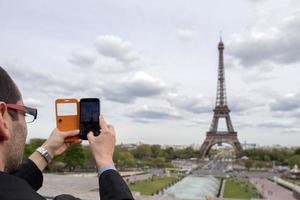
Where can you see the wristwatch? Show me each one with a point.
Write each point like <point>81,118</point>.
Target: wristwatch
<point>44,152</point>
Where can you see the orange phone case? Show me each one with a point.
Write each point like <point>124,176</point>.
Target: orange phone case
<point>67,122</point>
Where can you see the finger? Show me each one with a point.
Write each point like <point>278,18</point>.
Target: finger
<point>64,148</point>
<point>70,133</point>
<point>68,145</point>
<point>72,140</point>
<point>103,124</point>
<point>78,141</point>
<point>90,136</point>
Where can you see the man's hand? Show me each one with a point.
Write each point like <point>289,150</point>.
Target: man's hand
<point>102,146</point>
<point>56,144</point>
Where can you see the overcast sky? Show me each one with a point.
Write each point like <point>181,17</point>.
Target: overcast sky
<point>154,63</point>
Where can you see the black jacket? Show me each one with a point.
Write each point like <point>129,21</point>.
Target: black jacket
<point>23,184</point>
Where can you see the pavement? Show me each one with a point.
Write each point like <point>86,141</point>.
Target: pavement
<point>135,178</point>
<point>83,186</point>
<point>270,190</point>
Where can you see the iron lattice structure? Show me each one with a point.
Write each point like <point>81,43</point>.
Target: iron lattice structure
<point>213,136</point>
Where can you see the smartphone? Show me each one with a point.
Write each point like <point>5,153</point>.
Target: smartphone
<point>67,116</point>
<point>89,117</point>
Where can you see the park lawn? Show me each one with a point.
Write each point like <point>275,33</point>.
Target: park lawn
<point>149,187</point>
<point>235,189</point>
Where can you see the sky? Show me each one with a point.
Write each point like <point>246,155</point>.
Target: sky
<point>153,64</point>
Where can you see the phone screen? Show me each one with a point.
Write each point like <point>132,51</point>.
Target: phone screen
<point>89,117</point>
<point>89,112</point>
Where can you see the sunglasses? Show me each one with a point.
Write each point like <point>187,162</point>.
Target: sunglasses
<point>30,113</point>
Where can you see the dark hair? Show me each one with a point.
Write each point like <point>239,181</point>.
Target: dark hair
<point>9,92</point>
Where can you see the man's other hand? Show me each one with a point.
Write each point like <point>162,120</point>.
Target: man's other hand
<point>56,144</point>
<point>102,146</point>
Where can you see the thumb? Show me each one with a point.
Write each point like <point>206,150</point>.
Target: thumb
<point>103,124</point>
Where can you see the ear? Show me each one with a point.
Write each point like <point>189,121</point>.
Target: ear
<point>4,133</point>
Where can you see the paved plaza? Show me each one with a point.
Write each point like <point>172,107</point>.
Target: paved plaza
<point>83,186</point>
<point>270,190</point>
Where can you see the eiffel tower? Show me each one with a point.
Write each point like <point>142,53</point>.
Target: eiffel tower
<point>213,136</point>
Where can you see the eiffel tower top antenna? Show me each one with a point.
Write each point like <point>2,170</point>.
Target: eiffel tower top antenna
<point>221,99</point>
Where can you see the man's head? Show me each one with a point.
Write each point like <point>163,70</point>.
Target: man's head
<point>13,129</point>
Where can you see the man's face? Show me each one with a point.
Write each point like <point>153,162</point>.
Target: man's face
<point>14,147</point>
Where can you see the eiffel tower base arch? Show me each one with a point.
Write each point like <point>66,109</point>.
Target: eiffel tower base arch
<point>213,138</point>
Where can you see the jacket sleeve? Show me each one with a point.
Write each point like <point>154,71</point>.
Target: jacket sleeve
<point>113,187</point>
<point>30,173</point>
<point>65,197</point>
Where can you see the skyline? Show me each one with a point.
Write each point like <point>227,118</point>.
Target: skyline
<point>154,65</point>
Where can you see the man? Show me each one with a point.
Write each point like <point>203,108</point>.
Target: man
<point>21,181</point>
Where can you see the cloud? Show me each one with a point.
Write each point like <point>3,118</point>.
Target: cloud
<point>35,81</point>
<point>295,114</point>
<point>288,103</point>
<point>259,76</point>
<point>192,104</point>
<point>111,66</point>
<point>31,102</point>
<point>291,130</point>
<point>242,124</point>
<point>257,1</point>
<point>114,56</point>
<point>147,114</point>
<point>200,105</point>
<point>185,34</point>
<point>126,90</point>
<point>275,124</point>
<point>83,58</point>
<point>265,46</point>
<point>137,85</point>
<point>241,104</point>
<point>197,123</point>
<point>114,47</point>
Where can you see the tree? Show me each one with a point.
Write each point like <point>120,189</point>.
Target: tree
<point>259,164</point>
<point>74,156</point>
<point>297,151</point>
<point>248,164</point>
<point>156,151</point>
<point>142,152</point>
<point>89,162</point>
<point>170,153</point>
<point>123,158</point>
<point>32,146</point>
<point>128,159</point>
<point>159,162</point>
<point>294,160</point>
<point>280,156</point>
<point>57,166</point>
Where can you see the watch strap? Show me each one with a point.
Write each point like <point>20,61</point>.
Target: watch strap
<point>44,152</point>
